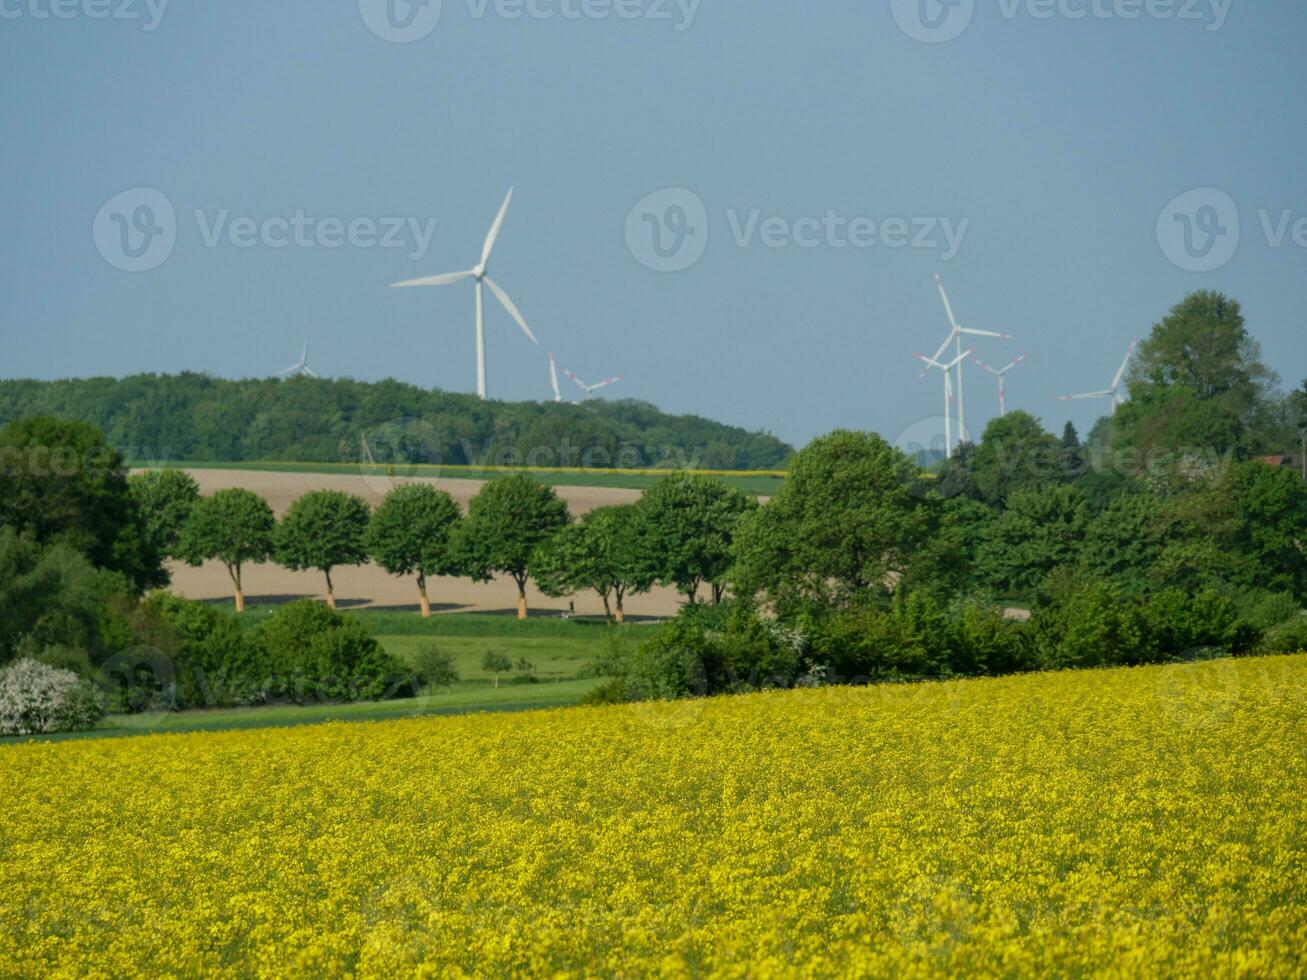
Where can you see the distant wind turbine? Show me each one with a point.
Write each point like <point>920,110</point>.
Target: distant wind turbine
<point>300,367</point>
<point>1114,392</point>
<point>947,371</point>
<point>590,389</point>
<point>479,274</point>
<point>553,378</point>
<point>955,337</point>
<point>1001,374</point>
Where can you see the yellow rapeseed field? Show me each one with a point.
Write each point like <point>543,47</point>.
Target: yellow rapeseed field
<point>1134,823</point>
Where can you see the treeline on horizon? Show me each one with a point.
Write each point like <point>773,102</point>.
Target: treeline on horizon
<point>158,418</point>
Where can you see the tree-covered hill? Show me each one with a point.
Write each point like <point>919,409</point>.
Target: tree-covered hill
<point>195,417</point>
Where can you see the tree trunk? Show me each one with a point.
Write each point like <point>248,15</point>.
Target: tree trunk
<point>422,597</point>
<point>608,610</point>
<point>331,593</point>
<point>235,572</point>
<point>521,608</point>
<point>621,612</point>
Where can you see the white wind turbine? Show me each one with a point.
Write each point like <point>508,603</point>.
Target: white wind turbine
<point>947,371</point>
<point>553,378</point>
<point>300,367</point>
<point>1114,392</point>
<point>479,274</point>
<point>955,337</point>
<point>590,389</point>
<point>1001,374</point>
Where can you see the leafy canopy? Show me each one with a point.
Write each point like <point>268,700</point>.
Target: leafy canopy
<point>323,529</point>
<point>412,532</point>
<point>691,523</point>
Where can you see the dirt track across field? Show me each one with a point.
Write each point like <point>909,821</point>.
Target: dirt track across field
<point>369,586</point>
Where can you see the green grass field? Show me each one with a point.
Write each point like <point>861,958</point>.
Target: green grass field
<point>560,651</point>
<point>763,484</point>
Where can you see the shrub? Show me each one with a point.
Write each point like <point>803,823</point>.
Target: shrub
<point>36,698</point>
<point>1265,610</point>
<point>1288,637</point>
<point>310,652</point>
<point>434,667</point>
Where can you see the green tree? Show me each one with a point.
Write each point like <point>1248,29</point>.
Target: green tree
<point>691,522</point>
<point>507,520</point>
<point>1015,454</point>
<point>1198,385</point>
<point>61,481</point>
<point>324,530</point>
<point>845,525</point>
<point>1124,541</point>
<point>609,551</point>
<point>1042,529</point>
<point>48,597</point>
<point>435,668</point>
<point>234,527</point>
<point>1073,460</point>
<point>413,533</point>
<point>164,499</point>
<point>496,663</point>
<point>1298,417</point>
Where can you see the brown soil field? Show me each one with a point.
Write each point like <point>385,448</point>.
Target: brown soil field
<point>369,586</point>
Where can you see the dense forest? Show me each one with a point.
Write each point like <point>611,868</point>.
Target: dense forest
<point>194,417</point>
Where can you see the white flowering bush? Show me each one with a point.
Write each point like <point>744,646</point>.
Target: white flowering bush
<point>36,698</point>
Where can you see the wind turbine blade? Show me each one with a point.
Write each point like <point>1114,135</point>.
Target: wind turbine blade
<point>981,364</point>
<point>512,310</point>
<point>1013,364</point>
<point>494,229</point>
<point>309,371</point>
<point>1085,397</point>
<point>442,280</point>
<point>985,333</point>
<point>553,378</point>
<point>948,307</point>
<point>960,358</point>
<point>605,383</point>
<point>930,362</point>
<point>943,347</point>
<point>579,383</point>
<point>1116,382</point>
<point>304,358</point>
<point>282,374</point>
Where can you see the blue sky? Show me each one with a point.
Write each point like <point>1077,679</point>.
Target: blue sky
<point>1048,146</point>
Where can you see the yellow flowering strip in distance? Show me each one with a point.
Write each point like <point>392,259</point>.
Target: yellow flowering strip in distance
<point>1135,822</point>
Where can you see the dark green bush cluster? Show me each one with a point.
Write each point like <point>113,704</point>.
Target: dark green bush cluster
<point>730,648</point>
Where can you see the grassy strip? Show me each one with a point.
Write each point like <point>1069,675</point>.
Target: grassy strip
<point>761,483</point>
<point>464,699</point>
